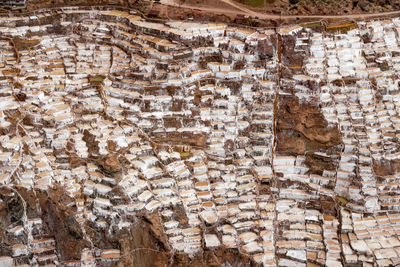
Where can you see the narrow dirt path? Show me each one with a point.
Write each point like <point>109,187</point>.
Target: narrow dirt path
<point>241,8</point>
<point>237,8</point>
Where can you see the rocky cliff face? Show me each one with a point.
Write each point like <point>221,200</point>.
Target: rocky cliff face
<point>142,244</point>
<point>302,127</point>
<point>303,130</point>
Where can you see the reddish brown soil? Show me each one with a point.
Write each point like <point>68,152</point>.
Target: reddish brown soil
<point>302,130</point>
<point>386,167</point>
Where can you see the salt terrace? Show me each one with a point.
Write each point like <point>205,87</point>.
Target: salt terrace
<point>189,110</point>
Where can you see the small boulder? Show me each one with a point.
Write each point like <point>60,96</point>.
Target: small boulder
<point>363,4</point>
<point>111,164</point>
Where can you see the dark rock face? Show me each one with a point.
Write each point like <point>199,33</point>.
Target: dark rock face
<point>302,128</point>
<point>53,207</point>
<point>143,244</point>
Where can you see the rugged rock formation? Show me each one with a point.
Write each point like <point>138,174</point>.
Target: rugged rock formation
<point>301,127</point>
